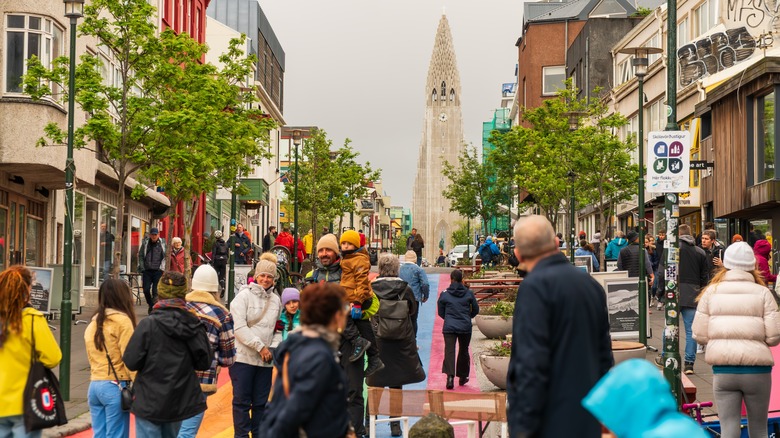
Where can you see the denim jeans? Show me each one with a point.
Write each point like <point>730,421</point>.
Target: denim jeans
<point>105,408</point>
<point>419,260</point>
<point>148,429</point>
<point>13,427</point>
<point>251,386</point>
<point>190,426</point>
<point>690,345</point>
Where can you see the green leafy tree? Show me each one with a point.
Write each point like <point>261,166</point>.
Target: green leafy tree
<point>473,190</point>
<point>207,134</point>
<point>329,181</point>
<point>399,245</point>
<point>122,113</point>
<point>539,158</point>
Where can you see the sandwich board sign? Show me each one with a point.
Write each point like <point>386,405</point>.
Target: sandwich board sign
<point>668,161</point>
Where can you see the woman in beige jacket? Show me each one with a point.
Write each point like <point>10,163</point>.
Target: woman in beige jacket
<point>106,338</point>
<point>737,319</point>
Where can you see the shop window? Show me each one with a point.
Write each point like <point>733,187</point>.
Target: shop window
<point>27,36</point>
<point>761,139</point>
<point>106,240</point>
<point>553,79</point>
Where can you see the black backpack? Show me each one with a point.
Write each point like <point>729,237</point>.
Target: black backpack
<point>220,251</point>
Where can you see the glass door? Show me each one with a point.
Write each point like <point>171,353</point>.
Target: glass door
<point>16,229</point>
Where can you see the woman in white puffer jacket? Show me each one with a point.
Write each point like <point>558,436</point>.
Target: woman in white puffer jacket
<point>737,319</point>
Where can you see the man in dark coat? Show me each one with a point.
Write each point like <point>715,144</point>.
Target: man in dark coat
<point>628,259</point>
<point>166,348</point>
<point>692,277</point>
<point>560,344</point>
<point>327,268</point>
<point>241,245</point>
<point>269,239</point>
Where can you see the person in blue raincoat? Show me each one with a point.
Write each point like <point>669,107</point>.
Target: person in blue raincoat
<point>633,400</point>
<point>487,251</point>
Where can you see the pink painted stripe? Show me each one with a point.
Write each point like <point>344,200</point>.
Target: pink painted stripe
<point>436,379</point>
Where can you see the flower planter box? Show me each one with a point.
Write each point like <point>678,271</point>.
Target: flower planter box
<point>495,369</point>
<point>494,326</point>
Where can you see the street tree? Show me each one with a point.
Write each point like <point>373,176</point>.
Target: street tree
<point>329,181</point>
<point>207,132</point>
<point>473,190</point>
<point>121,112</point>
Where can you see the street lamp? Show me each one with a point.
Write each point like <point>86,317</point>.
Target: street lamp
<point>574,124</point>
<point>640,63</point>
<point>296,136</point>
<point>74,9</point>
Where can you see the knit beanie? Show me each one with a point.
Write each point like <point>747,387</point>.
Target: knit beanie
<point>739,256</point>
<point>330,242</point>
<point>290,294</point>
<point>172,285</point>
<point>205,279</point>
<point>352,237</point>
<point>265,267</point>
<point>410,256</point>
<point>271,257</point>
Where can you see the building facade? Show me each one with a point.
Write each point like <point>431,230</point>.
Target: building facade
<point>442,140</point>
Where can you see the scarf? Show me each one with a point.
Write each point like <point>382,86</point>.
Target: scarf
<point>172,303</point>
<point>332,338</point>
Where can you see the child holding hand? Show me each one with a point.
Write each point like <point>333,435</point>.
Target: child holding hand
<point>355,265</point>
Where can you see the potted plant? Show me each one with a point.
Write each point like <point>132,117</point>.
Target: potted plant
<point>495,362</point>
<point>495,322</point>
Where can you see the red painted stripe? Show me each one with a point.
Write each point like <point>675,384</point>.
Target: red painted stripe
<point>436,379</point>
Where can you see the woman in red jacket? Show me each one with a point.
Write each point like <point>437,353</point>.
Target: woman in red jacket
<point>762,249</point>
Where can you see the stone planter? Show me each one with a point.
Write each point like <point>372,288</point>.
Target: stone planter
<point>495,369</point>
<point>622,351</point>
<point>494,326</point>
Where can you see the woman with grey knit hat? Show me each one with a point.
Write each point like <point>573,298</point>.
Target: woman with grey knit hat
<point>255,310</point>
<point>737,320</point>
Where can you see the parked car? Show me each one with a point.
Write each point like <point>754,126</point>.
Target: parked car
<point>456,254</point>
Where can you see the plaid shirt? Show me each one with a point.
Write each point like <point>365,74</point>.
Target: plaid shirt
<point>219,327</point>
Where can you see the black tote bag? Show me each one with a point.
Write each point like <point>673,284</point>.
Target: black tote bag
<point>43,404</point>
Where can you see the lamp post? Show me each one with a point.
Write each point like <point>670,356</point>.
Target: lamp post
<point>296,136</point>
<point>574,123</point>
<point>640,63</point>
<point>74,9</point>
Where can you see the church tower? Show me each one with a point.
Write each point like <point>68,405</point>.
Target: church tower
<point>442,140</point>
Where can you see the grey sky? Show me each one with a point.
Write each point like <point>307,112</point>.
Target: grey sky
<point>357,69</point>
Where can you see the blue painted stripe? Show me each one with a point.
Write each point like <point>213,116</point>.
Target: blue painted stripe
<point>425,322</point>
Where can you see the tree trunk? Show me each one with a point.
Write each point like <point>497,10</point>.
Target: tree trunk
<point>190,210</point>
<point>120,228</point>
<point>169,234</point>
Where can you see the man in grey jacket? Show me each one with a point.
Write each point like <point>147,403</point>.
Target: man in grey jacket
<point>693,276</point>
<point>151,264</point>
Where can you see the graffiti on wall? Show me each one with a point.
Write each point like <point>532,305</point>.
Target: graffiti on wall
<point>758,15</point>
<point>713,53</point>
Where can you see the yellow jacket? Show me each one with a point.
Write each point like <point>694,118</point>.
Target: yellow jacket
<point>307,243</point>
<point>15,359</point>
<point>117,330</point>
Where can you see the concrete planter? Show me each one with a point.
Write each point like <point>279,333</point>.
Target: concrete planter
<point>622,351</point>
<point>495,369</point>
<point>494,326</point>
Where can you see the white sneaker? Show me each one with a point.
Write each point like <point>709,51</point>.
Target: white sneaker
<point>660,306</point>
<point>653,302</point>
<point>699,348</point>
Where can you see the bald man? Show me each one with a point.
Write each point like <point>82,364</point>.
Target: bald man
<point>560,344</point>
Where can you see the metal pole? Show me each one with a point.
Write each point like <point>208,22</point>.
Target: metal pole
<point>295,215</point>
<point>672,364</point>
<point>571,223</point>
<point>231,244</point>
<point>66,307</point>
<point>642,273</point>
<point>671,342</point>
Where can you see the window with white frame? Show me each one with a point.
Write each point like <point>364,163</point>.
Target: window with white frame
<point>553,79</point>
<point>655,41</point>
<point>656,116</point>
<point>682,33</point>
<point>625,71</point>
<point>705,17</point>
<point>27,36</point>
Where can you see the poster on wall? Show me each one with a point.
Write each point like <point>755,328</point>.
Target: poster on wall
<point>242,272</point>
<point>40,292</point>
<point>623,307</point>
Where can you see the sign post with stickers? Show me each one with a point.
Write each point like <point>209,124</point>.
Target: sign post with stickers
<point>669,173</point>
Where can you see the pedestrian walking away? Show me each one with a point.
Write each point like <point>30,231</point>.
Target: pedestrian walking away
<point>560,340</point>
<point>219,259</point>
<point>737,320</point>
<point>151,264</point>
<point>309,393</point>
<point>255,310</point>
<point>417,246</point>
<point>204,302</point>
<point>417,279</point>
<point>395,334</point>
<point>18,323</point>
<point>106,339</point>
<point>457,305</point>
<point>166,349</point>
